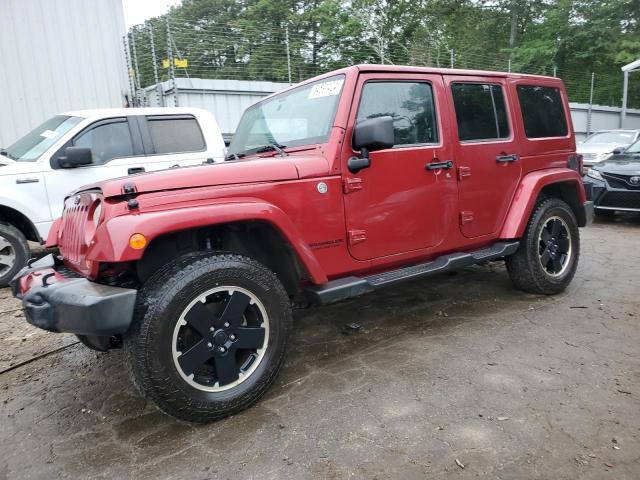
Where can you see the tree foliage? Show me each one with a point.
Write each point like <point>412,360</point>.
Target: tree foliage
<point>250,39</point>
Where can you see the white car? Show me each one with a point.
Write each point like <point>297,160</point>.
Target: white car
<point>600,145</point>
<point>81,147</point>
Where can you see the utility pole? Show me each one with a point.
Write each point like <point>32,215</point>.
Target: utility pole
<point>286,41</point>
<point>172,71</point>
<point>154,60</point>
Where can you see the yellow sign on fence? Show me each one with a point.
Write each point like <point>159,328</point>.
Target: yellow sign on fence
<point>177,62</point>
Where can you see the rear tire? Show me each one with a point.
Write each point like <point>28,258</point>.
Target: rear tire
<point>547,257</point>
<point>14,252</point>
<point>209,335</point>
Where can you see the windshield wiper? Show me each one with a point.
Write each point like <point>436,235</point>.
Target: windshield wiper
<point>235,156</point>
<point>273,146</point>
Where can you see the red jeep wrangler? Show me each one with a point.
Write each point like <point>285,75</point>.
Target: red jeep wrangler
<point>339,186</point>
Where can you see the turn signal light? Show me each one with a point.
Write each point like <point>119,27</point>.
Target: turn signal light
<point>137,241</point>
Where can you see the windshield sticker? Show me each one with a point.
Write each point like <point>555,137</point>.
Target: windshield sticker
<point>49,134</point>
<point>326,89</point>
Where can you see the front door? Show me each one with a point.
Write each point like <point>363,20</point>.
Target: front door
<point>116,153</point>
<point>488,156</point>
<point>402,202</point>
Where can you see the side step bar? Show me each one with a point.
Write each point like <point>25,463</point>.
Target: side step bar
<point>343,288</point>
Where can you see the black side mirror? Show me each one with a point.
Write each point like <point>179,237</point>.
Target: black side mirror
<point>368,136</point>
<point>619,150</point>
<point>75,157</point>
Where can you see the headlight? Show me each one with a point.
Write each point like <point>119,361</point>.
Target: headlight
<point>97,211</point>
<point>595,174</point>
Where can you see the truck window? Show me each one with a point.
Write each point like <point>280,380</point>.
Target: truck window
<point>480,111</point>
<point>542,111</point>
<point>107,140</point>
<point>410,104</point>
<point>175,134</point>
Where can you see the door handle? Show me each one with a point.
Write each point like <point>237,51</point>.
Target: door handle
<point>438,165</point>
<point>133,170</point>
<point>506,158</point>
<point>20,181</point>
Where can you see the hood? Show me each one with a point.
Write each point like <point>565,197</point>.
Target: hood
<point>4,161</point>
<point>595,148</point>
<point>253,170</point>
<point>623,163</point>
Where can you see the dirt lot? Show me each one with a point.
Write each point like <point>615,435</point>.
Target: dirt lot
<point>458,367</point>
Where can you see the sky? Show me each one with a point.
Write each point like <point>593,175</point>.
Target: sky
<point>137,11</point>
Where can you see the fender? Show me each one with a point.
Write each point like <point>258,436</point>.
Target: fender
<point>111,240</point>
<point>527,193</point>
<point>52,238</point>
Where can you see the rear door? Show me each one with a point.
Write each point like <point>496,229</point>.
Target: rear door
<point>172,141</point>
<point>399,204</point>
<point>487,153</point>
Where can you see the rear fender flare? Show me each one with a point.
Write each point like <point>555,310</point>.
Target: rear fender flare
<point>528,192</point>
<point>111,241</point>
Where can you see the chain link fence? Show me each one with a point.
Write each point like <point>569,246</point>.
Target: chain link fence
<point>171,47</point>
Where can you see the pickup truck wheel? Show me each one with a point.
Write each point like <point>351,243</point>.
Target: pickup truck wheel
<point>209,335</point>
<point>547,258</point>
<point>14,252</point>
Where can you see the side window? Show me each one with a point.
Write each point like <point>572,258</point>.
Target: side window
<point>175,134</point>
<point>480,111</point>
<point>542,111</point>
<point>107,141</point>
<point>409,103</point>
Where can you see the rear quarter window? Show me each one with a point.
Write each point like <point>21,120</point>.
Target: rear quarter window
<point>542,111</point>
<point>175,134</point>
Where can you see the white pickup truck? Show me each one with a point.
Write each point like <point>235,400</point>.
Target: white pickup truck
<point>81,147</point>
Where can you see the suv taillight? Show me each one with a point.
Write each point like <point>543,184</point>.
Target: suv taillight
<point>574,162</point>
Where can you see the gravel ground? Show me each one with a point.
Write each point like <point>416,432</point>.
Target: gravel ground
<point>457,376</point>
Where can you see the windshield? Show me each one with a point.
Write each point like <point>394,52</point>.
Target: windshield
<point>613,138</point>
<point>302,116</point>
<point>37,141</point>
<point>635,148</point>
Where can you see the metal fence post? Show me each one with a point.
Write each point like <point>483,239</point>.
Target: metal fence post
<point>590,110</point>
<point>286,41</point>
<point>555,71</point>
<point>451,53</point>
<point>172,71</point>
<point>125,45</point>
<point>154,60</point>
<point>509,65</point>
<point>138,83</point>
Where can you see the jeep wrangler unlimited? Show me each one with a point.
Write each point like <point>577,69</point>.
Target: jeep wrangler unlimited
<point>339,186</point>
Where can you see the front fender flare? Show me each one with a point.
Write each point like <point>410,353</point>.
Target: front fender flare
<point>111,241</point>
<point>527,194</point>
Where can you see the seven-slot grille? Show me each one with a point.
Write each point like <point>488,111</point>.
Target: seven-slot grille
<point>72,239</point>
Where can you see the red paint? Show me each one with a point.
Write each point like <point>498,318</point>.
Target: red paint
<point>393,213</point>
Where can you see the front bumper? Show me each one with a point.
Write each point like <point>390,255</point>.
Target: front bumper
<point>606,197</point>
<point>73,305</point>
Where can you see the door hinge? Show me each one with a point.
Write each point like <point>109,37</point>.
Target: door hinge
<point>357,236</point>
<point>351,184</point>
<point>464,172</point>
<point>466,216</point>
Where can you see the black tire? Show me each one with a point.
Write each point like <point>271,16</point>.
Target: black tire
<point>171,293</point>
<point>531,269</point>
<point>14,250</point>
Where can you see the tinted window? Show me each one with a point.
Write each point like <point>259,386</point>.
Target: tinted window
<point>542,111</point>
<point>480,111</point>
<point>410,104</point>
<point>175,134</point>
<point>107,141</point>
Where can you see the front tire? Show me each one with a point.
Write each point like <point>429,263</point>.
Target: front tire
<point>14,252</point>
<point>209,335</point>
<point>547,258</point>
